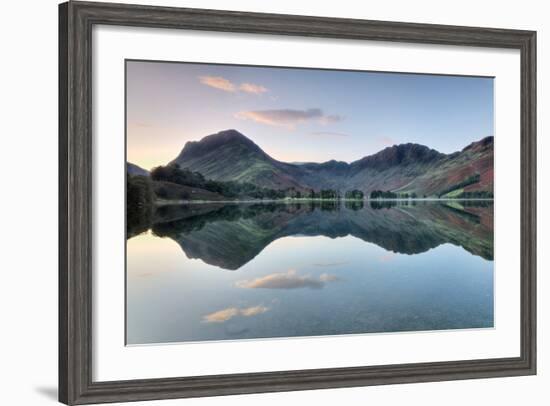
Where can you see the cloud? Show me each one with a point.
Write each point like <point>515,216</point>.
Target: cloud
<point>221,315</point>
<point>288,117</point>
<point>287,280</point>
<point>226,314</point>
<point>253,311</point>
<point>325,277</point>
<point>221,83</point>
<point>217,82</point>
<point>252,88</point>
<point>332,118</point>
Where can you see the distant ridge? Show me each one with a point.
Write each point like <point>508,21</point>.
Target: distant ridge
<point>412,168</point>
<point>135,170</point>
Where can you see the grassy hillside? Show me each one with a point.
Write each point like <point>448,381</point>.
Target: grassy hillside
<point>475,159</point>
<point>230,156</point>
<point>406,168</point>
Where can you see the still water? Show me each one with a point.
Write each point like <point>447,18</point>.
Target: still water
<point>225,272</point>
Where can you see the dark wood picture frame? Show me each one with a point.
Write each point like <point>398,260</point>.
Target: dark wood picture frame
<point>76,20</point>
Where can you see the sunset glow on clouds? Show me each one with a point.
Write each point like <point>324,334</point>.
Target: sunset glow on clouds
<point>218,82</point>
<point>287,280</point>
<point>288,117</point>
<point>302,115</point>
<point>252,88</point>
<point>227,314</point>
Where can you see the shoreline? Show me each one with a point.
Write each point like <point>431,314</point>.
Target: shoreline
<point>307,200</point>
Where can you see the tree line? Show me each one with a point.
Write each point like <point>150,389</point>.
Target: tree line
<point>232,190</point>
<point>381,194</point>
<point>470,180</point>
<point>139,204</point>
<point>354,195</point>
<point>476,194</point>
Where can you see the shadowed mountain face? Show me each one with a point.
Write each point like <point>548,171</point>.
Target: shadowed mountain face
<point>230,156</point>
<point>229,236</point>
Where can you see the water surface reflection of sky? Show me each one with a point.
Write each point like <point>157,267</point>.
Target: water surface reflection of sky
<point>303,286</point>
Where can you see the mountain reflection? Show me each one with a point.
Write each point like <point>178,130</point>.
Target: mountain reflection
<point>230,235</point>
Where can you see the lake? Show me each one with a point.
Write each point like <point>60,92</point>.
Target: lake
<point>219,271</point>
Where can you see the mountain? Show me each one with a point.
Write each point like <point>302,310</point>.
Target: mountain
<point>135,170</point>
<point>229,155</point>
<point>406,168</point>
<point>474,160</point>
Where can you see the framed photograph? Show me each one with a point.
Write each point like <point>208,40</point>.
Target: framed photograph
<point>257,203</point>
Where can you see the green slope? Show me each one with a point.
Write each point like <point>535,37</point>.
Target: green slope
<point>229,155</point>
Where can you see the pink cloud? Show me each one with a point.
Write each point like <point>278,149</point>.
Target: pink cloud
<point>252,88</point>
<point>221,83</point>
<point>288,117</point>
<point>217,82</point>
<point>226,314</point>
<point>287,280</point>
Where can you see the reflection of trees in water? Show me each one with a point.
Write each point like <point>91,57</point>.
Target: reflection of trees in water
<point>329,205</point>
<point>229,235</point>
<point>185,218</point>
<point>388,204</point>
<point>354,204</point>
<point>382,204</point>
<point>476,203</point>
<point>139,205</point>
<point>463,213</point>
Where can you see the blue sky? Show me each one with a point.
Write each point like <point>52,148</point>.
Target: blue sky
<point>300,115</point>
